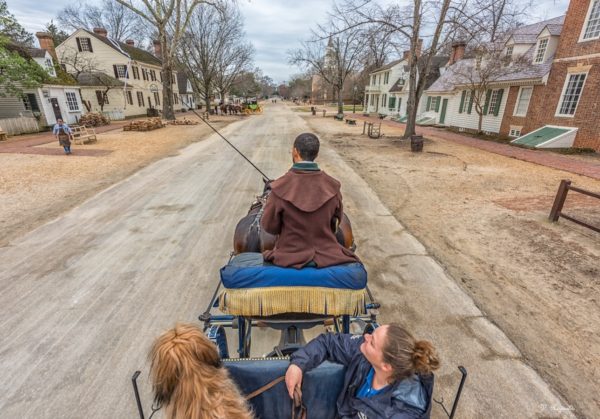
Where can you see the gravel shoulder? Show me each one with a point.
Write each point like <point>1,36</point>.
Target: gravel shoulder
<point>485,218</point>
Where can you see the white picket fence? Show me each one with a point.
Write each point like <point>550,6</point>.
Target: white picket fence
<point>22,125</point>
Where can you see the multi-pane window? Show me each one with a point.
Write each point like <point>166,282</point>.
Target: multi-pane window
<point>383,100</point>
<point>514,132</point>
<point>121,71</point>
<point>509,51</point>
<point>152,75</point>
<point>523,101</point>
<point>136,72</point>
<point>433,105</point>
<point>493,102</point>
<point>144,73</point>
<point>102,97</point>
<point>541,50</point>
<point>157,98</point>
<point>129,98</point>
<point>72,101</point>
<point>469,101</point>
<point>140,99</point>
<point>392,103</point>
<point>373,80</point>
<point>85,44</point>
<point>571,94</point>
<point>592,29</point>
<point>386,78</point>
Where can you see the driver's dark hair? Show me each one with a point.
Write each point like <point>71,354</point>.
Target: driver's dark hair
<point>307,145</point>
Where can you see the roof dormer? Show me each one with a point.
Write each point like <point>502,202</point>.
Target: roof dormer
<point>547,42</point>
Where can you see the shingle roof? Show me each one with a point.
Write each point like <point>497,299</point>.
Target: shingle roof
<point>37,52</point>
<point>135,53</point>
<point>97,78</point>
<point>528,34</point>
<point>387,66</point>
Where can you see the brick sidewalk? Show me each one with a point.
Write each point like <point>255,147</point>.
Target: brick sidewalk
<point>541,157</point>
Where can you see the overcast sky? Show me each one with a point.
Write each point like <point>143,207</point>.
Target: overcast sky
<point>273,26</point>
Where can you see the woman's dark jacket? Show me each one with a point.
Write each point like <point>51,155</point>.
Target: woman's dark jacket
<point>400,400</point>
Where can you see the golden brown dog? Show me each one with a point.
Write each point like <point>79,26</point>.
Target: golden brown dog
<point>188,378</point>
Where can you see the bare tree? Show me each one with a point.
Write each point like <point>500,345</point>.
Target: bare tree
<point>333,54</point>
<point>120,22</point>
<point>170,19</point>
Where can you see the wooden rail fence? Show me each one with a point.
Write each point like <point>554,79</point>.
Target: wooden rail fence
<point>559,202</point>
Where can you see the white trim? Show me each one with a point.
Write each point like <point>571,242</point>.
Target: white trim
<point>570,130</point>
<point>537,50</point>
<point>585,23</point>
<point>560,99</point>
<point>519,98</point>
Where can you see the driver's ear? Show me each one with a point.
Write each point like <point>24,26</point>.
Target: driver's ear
<point>385,367</point>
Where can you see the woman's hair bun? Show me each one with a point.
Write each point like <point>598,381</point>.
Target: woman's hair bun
<point>425,359</point>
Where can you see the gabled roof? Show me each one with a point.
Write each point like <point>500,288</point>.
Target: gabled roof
<point>386,67</point>
<point>135,53</point>
<point>398,86</point>
<point>528,34</point>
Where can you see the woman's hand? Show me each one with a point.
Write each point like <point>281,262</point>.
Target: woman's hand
<point>293,379</point>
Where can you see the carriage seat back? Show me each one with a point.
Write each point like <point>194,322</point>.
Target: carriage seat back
<point>320,387</point>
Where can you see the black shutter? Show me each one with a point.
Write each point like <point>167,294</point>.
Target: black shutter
<point>428,103</point>
<point>461,108</point>
<point>99,97</point>
<point>437,103</point>
<point>115,70</point>
<point>90,45</point>
<point>488,96</point>
<point>33,102</point>
<point>78,44</point>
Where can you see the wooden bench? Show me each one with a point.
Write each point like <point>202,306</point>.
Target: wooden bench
<point>82,135</point>
<point>350,121</point>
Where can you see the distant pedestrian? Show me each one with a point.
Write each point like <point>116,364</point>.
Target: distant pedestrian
<point>63,134</point>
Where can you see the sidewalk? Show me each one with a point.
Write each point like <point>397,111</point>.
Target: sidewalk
<point>541,157</point>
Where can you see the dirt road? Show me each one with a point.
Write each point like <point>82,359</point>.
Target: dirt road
<point>83,297</point>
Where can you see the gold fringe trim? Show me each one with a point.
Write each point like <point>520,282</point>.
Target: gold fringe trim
<point>278,300</point>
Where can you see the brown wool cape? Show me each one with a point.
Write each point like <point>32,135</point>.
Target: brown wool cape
<point>300,209</point>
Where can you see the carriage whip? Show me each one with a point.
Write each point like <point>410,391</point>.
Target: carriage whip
<point>268,179</point>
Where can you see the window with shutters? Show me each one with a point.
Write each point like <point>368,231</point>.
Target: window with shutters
<point>72,101</point>
<point>392,103</point>
<point>383,100</point>
<point>85,44</point>
<point>592,24</point>
<point>571,94</point>
<point>493,103</point>
<point>373,79</point>
<point>509,51</point>
<point>136,73</point>
<point>157,98</point>
<point>144,74</point>
<point>140,99</point>
<point>541,50</point>
<point>386,78</point>
<point>469,102</point>
<point>434,103</point>
<point>121,71</point>
<point>129,98</point>
<point>523,101</point>
<point>152,75</point>
<point>101,96</point>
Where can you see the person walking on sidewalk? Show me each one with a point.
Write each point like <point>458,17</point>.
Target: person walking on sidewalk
<point>63,135</point>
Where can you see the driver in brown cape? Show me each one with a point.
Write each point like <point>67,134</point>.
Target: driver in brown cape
<point>303,208</point>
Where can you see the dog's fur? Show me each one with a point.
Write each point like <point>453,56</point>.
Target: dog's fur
<point>188,378</point>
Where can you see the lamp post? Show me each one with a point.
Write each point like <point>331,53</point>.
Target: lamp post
<point>354,100</point>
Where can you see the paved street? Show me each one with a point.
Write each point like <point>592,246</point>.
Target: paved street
<point>83,297</point>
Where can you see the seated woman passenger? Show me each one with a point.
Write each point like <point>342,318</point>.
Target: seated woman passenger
<point>189,380</point>
<point>301,209</point>
<point>388,373</point>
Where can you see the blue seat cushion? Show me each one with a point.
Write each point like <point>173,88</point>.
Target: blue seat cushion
<point>320,387</point>
<point>247,270</point>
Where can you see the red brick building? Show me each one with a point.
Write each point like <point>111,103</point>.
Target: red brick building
<point>571,95</point>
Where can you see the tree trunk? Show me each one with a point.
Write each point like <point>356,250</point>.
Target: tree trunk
<point>480,123</point>
<point>340,102</point>
<point>167,76</point>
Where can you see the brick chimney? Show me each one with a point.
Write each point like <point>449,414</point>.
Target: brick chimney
<point>419,47</point>
<point>101,32</point>
<point>130,42</point>
<point>47,43</point>
<point>458,52</point>
<point>157,49</point>
<point>406,55</point>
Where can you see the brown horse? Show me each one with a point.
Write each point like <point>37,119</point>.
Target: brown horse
<point>250,237</point>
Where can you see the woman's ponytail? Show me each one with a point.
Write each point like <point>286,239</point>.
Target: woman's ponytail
<point>406,355</point>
